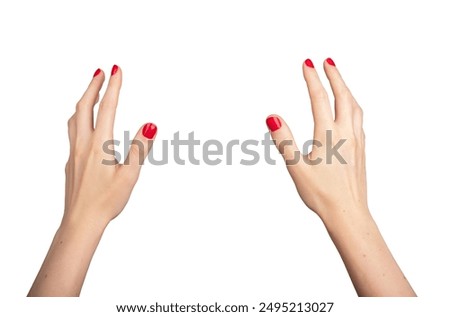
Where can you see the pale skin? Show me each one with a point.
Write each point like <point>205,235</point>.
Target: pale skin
<point>96,193</point>
<point>337,192</point>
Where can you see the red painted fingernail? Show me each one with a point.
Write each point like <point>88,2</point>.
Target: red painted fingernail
<point>309,63</point>
<point>97,72</point>
<point>273,123</point>
<point>114,69</point>
<point>149,130</point>
<point>330,62</point>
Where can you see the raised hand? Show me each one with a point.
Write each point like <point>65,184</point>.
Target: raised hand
<point>97,188</point>
<point>331,180</point>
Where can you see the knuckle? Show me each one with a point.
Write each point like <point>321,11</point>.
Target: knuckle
<point>358,111</point>
<point>320,94</point>
<point>345,94</point>
<point>106,107</point>
<point>136,151</point>
<point>96,151</point>
<point>107,103</point>
<point>77,156</point>
<point>71,121</point>
<point>80,105</point>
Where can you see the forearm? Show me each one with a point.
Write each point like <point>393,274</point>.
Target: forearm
<point>371,266</point>
<point>67,261</point>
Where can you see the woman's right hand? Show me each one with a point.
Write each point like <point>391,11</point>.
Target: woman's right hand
<point>97,187</point>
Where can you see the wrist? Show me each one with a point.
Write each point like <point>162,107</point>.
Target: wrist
<point>64,269</point>
<point>336,219</point>
<point>79,224</point>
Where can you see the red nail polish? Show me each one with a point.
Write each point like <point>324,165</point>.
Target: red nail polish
<point>330,62</point>
<point>97,72</point>
<point>114,69</point>
<point>273,123</point>
<point>309,63</point>
<point>149,130</point>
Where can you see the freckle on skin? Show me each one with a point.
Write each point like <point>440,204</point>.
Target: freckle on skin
<point>45,276</point>
<point>364,255</point>
<point>384,275</point>
<point>60,242</point>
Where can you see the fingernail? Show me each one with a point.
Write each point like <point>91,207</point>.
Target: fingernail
<point>149,130</point>
<point>309,63</point>
<point>97,72</point>
<point>330,62</point>
<point>114,69</point>
<point>273,123</point>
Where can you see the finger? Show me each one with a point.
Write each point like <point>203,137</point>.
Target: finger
<point>71,124</point>
<point>343,99</point>
<point>319,98</point>
<point>285,143</point>
<point>86,104</point>
<point>358,123</point>
<point>108,105</point>
<point>72,131</point>
<point>139,149</point>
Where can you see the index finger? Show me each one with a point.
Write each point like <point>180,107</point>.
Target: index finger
<point>107,109</point>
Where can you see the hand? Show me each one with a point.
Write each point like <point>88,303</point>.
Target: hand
<point>97,188</point>
<point>331,180</point>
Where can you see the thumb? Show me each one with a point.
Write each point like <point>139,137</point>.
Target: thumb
<point>284,141</point>
<point>139,149</point>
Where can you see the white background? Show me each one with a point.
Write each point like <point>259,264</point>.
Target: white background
<point>233,234</point>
